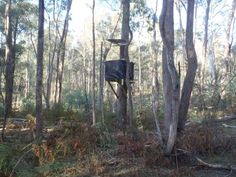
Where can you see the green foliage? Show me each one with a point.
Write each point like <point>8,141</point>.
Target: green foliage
<point>8,158</point>
<point>55,113</point>
<point>145,119</point>
<point>110,120</point>
<point>28,105</point>
<point>1,109</point>
<point>28,173</point>
<point>106,139</point>
<point>75,99</point>
<point>140,11</point>
<point>49,169</point>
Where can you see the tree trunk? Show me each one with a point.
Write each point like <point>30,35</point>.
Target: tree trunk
<point>229,38</point>
<point>63,47</point>
<point>155,81</point>
<point>9,74</point>
<point>9,60</point>
<point>171,83</point>
<point>130,115</point>
<point>93,77</point>
<point>39,77</point>
<point>178,7</point>
<point>192,68</point>
<point>51,57</point>
<point>15,30</point>
<point>205,51</point>
<point>122,86</point>
<point>206,28</point>
<point>140,76</point>
<point>101,85</point>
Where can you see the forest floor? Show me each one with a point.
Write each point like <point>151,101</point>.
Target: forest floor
<point>78,150</point>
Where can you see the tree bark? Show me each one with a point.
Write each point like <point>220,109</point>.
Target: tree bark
<point>61,55</point>
<point>9,60</point>
<point>191,70</point>
<point>206,28</point>
<point>101,85</point>
<point>51,57</point>
<point>229,32</point>
<point>155,81</point>
<point>140,75</point>
<point>63,47</point>
<point>9,73</point>
<point>171,82</point>
<point>122,86</point>
<point>39,77</point>
<point>93,77</point>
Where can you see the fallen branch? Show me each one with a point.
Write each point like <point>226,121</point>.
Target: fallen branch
<point>209,165</point>
<point>226,118</point>
<point>216,166</point>
<point>228,126</point>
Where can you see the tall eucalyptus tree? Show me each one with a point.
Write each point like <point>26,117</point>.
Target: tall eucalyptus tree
<point>171,82</point>
<point>9,74</point>
<point>229,36</point>
<point>191,69</point>
<point>39,76</point>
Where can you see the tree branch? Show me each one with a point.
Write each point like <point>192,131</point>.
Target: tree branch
<point>209,165</point>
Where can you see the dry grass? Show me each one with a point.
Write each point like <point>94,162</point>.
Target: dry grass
<point>204,139</point>
<point>74,149</point>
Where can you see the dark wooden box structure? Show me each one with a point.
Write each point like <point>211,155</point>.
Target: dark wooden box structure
<point>115,70</point>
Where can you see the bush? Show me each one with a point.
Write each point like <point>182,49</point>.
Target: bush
<point>203,139</point>
<point>1,109</point>
<point>8,158</point>
<point>28,105</point>
<point>145,119</point>
<point>55,113</point>
<point>66,141</point>
<point>75,99</point>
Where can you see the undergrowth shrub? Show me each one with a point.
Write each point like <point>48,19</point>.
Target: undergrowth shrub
<point>75,99</point>
<point>1,107</point>
<point>145,119</point>
<point>154,155</point>
<point>206,138</point>
<point>110,120</point>
<point>28,105</point>
<point>9,158</point>
<point>146,146</point>
<point>66,141</point>
<point>58,113</point>
<point>55,113</point>
<point>106,139</point>
<point>129,147</point>
<point>182,172</point>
